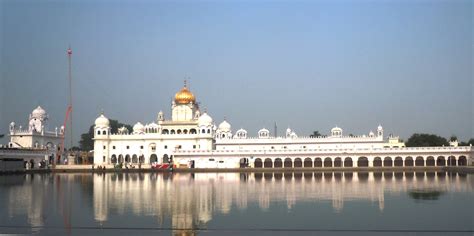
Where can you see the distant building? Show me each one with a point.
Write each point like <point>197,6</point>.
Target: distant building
<point>34,143</point>
<point>190,139</point>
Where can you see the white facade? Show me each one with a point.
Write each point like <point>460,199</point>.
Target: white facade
<point>157,141</point>
<point>191,139</point>
<point>35,136</point>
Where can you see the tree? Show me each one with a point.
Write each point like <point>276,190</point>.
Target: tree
<point>426,140</point>
<point>315,134</point>
<point>87,143</point>
<point>470,142</point>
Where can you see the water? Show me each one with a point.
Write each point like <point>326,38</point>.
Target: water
<point>351,203</point>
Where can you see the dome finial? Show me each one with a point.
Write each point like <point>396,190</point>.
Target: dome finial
<point>185,82</point>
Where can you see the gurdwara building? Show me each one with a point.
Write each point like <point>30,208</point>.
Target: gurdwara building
<point>190,139</point>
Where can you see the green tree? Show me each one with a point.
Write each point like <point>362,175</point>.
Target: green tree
<point>87,143</point>
<point>426,140</point>
<point>470,142</point>
<point>315,134</point>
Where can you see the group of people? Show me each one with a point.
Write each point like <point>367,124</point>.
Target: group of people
<point>99,167</point>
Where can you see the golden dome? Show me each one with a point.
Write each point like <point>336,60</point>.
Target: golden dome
<point>184,96</point>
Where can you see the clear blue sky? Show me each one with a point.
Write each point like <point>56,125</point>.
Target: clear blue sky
<point>309,65</point>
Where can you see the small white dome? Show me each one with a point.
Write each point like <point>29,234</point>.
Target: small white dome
<point>123,130</point>
<point>379,128</point>
<point>39,112</point>
<point>263,133</point>
<point>224,126</point>
<point>205,119</point>
<point>138,128</point>
<point>371,134</point>
<point>263,130</point>
<point>153,125</point>
<point>102,121</point>
<point>336,129</point>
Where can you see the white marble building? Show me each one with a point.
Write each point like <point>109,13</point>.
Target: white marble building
<point>34,142</point>
<point>191,139</point>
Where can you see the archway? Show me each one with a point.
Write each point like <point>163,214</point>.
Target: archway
<point>362,162</point>
<point>377,162</point>
<point>440,161</point>
<point>327,162</point>
<point>134,158</point>
<point>32,163</point>
<point>120,159</point>
<point>387,161</point>
<point>298,163</point>
<point>451,161</point>
<point>288,163</point>
<point>142,159</point>
<point>419,161</point>
<point>308,162</point>
<point>268,163</point>
<point>278,163</point>
<point>398,161</point>
<point>166,159</point>
<point>243,162</point>
<point>348,162</point>
<point>113,159</point>
<point>462,161</point>
<point>338,162</point>
<point>408,161</point>
<point>318,162</point>
<point>430,161</point>
<point>127,158</point>
<point>258,163</point>
<point>153,158</point>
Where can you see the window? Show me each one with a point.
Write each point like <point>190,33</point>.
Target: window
<point>211,159</point>
<point>103,158</point>
<point>113,147</point>
<point>194,146</point>
<point>166,146</point>
<point>128,147</point>
<point>104,147</point>
<point>104,133</point>
<point>98,132</point>
<point>141,147</point>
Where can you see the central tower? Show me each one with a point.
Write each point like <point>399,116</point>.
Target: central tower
<point>184,106</point>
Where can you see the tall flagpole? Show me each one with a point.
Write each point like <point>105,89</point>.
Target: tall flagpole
<point>69,56</point>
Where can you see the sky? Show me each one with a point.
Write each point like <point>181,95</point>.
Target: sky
<point>307,65</point>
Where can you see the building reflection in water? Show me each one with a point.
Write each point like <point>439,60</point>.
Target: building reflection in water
<point>189,200</point>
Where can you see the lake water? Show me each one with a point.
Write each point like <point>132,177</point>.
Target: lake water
<point>330,203</point>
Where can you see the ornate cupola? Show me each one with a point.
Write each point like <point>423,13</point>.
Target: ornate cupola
<point>184,106</point>
<point>184,96</point>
